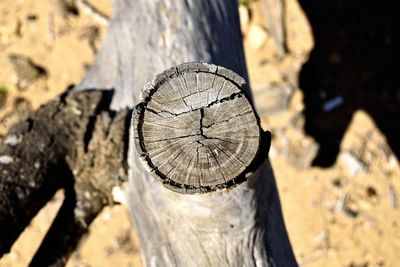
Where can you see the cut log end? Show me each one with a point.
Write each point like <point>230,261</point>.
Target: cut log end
<point>196,130</point>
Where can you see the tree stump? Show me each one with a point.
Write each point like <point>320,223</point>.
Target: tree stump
<point>196,133</point>
<point>196,130</point>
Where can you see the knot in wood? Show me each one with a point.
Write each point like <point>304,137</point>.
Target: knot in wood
<point>196,130</point>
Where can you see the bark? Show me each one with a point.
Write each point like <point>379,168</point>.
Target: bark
<point>241,226</point>
<point>73,142</point>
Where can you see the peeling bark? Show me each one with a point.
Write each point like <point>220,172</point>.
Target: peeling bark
<point>73,142</point>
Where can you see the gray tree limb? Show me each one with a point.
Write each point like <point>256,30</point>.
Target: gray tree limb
<point>239,226</point>
<point>242,226</point>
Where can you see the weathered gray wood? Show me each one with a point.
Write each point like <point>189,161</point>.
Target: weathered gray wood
<point>195,129</point>
<point>274,12</point>
<point>242,226</point>
<point>147,37</point>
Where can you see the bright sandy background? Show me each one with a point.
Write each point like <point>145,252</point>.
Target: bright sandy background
<point>346,215</point>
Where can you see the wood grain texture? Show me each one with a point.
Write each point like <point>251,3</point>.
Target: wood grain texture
<point>242,226</point>
<point>147,37</point>
<point>196,130</point>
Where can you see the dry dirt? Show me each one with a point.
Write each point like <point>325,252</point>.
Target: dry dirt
<point>345,215</point>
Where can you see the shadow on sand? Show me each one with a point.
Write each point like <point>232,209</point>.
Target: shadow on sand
<point>355,64</point>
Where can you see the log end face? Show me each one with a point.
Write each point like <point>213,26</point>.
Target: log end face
<point>195,129</point>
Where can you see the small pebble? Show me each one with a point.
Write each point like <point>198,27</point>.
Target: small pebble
<point>12,140</point>
<point>353,164</point>
<point>5,159</point>
<point>333,104</point>
<point>257,36</point>
<point>119,195</point>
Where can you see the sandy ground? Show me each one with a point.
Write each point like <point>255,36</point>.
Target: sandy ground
<point>345,215</point>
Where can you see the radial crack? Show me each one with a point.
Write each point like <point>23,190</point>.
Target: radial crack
<point>202,138</point>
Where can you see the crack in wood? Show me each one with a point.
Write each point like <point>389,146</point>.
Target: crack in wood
<point>227,120</point>
<point>201,123</point>
<point>196,129</point>
<point>231,97</point>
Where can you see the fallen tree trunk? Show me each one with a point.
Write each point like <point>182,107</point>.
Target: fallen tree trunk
<point>236,221</point>
<point>242,226</point>
<point>73,143</point>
